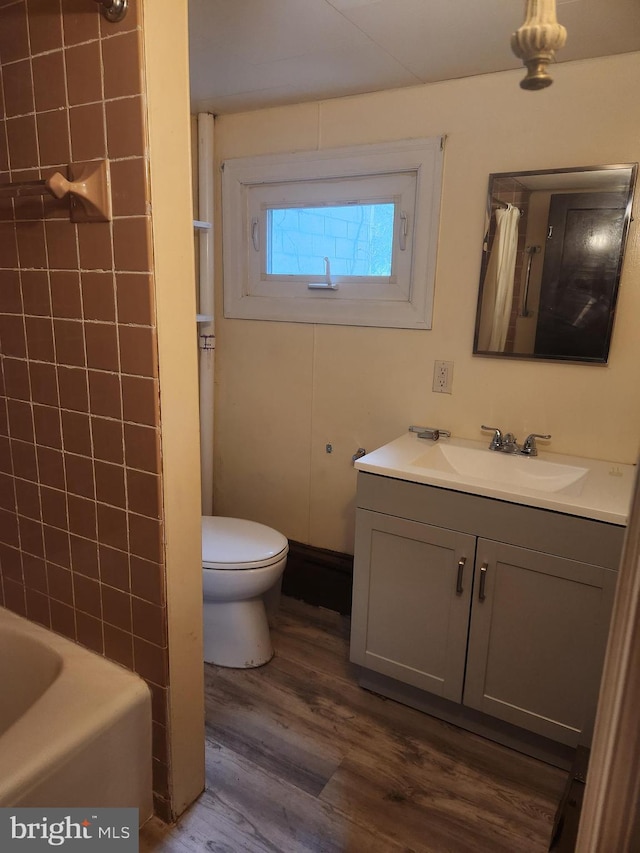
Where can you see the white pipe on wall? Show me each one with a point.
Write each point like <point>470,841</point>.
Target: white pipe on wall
<point>206,307</point>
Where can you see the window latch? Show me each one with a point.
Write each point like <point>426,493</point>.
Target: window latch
<point>328,284</point>
<point>255,233</point>
<point>404,228</point>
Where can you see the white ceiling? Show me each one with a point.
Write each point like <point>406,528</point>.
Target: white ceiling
<point>248,54</point>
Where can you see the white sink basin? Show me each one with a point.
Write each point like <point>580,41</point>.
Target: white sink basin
<point>479,463</point>
<point>590,488</point>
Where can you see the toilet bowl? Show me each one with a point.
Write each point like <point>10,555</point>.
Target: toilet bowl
<point>242,566</point>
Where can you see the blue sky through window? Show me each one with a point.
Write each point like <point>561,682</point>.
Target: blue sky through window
<point>357,239</point>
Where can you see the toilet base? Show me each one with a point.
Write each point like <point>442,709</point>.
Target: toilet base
<point>236,633</point>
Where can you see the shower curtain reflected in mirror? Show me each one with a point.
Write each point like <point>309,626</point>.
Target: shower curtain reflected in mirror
<point>499,280</point>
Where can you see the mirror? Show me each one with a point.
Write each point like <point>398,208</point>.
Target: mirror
<point>552,256</point>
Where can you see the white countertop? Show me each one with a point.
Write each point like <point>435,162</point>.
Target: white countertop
<point>590,488</point>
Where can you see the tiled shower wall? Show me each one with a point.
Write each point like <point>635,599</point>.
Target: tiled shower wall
<point>80,498</point>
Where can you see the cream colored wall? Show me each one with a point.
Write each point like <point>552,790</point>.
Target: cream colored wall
<point>285,390</point>
<point>166,34</point>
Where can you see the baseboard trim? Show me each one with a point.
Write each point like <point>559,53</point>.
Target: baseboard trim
<point>318,576</point>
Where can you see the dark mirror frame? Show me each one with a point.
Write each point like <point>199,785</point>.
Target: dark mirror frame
<point>569,271</point>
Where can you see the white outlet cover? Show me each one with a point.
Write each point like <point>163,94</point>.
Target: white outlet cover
<point>442,377</point>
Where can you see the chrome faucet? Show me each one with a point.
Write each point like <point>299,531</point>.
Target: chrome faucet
<point>507,443</point>
<point>530,448</point>
<point>430,432</point>
<point>496,441</point>
<point>510,444</point>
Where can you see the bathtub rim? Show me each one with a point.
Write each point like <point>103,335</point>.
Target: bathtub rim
<point>87,682</point>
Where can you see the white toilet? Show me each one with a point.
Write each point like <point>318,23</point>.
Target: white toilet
<point>242,566</point>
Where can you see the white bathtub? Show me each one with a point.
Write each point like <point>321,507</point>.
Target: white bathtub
<point>75,729</point>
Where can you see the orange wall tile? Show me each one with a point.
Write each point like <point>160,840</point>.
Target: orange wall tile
<point>80,509</point>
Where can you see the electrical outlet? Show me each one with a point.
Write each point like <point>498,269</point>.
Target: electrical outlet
<point>442,377</point>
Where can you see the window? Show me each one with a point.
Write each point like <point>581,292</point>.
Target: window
<point>358,237</point>
<point>345,236</point>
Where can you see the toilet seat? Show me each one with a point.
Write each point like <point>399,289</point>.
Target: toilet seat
<point>238,544</point>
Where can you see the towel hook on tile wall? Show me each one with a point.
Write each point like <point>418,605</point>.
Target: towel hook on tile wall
<point>88,188</point>
<point>113,10</point>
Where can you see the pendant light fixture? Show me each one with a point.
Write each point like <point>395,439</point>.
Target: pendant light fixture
<point>537,41</point>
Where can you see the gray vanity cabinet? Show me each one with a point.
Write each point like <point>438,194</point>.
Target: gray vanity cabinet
<point>537,637</point>
<point>407,598</point>
<point>501,608</point>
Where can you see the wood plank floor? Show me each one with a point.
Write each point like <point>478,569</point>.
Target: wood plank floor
<point>301,759</point>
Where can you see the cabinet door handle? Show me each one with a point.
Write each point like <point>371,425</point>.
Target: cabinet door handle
<point>483,579</point>
<point>461,564</point>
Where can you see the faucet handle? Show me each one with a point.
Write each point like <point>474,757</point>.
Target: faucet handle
<point>529,447</point>
<point>496,441</point>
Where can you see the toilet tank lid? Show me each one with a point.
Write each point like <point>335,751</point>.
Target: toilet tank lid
<point>236,540</point>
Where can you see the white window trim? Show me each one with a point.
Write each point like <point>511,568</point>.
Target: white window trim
<point>397,305</point>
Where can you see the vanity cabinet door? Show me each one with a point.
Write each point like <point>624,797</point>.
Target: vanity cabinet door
<point>537,639</point>
<point>411,595</point>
